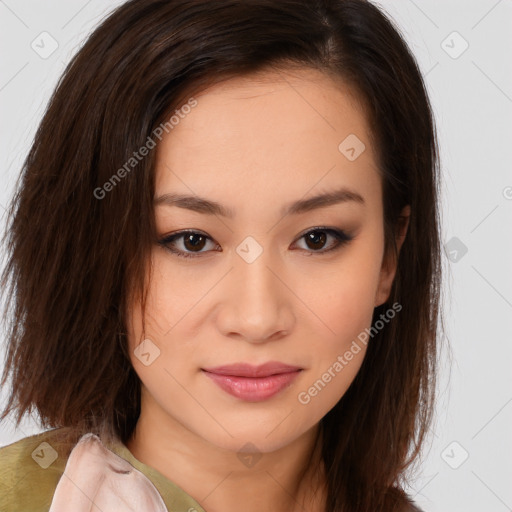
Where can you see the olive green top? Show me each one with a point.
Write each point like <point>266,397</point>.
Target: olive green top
<point>30,472</point>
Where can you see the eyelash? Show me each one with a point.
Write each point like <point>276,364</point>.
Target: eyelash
<point>340,236</point>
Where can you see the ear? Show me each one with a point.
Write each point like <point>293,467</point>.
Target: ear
<point>390,261</point>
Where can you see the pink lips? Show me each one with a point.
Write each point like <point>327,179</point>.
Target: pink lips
<point>253,383</point>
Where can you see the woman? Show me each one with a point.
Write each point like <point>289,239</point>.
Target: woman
<point>224,265</point>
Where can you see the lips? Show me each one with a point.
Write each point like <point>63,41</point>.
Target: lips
<point>253,383</point>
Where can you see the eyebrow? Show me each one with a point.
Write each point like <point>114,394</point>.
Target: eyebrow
<point>205,206</point>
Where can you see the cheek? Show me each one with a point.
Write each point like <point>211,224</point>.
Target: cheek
<point>172,294</point>
<point>345,307</point>
<point>156,353</point>
<point>344,300</point>
<point>340,347</point>
<point>344,297</point>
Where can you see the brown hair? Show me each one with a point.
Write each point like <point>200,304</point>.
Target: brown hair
<point>74,260</point>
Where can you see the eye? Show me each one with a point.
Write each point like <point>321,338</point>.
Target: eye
<point>316,238</point>
<point>192,243</point>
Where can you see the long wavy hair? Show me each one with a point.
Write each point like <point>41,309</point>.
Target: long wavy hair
<point>73,260</point>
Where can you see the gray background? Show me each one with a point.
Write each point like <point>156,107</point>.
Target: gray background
<point>467,466</point>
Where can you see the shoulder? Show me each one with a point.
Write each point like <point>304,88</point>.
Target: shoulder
<point>30,470</point>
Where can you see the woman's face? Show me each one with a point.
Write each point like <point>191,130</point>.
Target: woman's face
<point>265,281</point>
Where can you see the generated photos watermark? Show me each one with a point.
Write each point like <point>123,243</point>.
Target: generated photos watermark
<point>143,151</point>
<point>305,397</point>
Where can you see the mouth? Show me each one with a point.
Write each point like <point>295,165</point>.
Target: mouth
<point>253,383</point>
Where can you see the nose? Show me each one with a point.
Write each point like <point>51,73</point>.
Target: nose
<point>257,303</point>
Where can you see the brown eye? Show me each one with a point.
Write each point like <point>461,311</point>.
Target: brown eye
<point>315,239</point>
<point>194,242</point>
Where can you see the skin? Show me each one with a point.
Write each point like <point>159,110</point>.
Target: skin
<point>255,144</point>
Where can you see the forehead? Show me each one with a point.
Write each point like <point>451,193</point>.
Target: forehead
<point>272,132</point>
<point>276,98</point>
